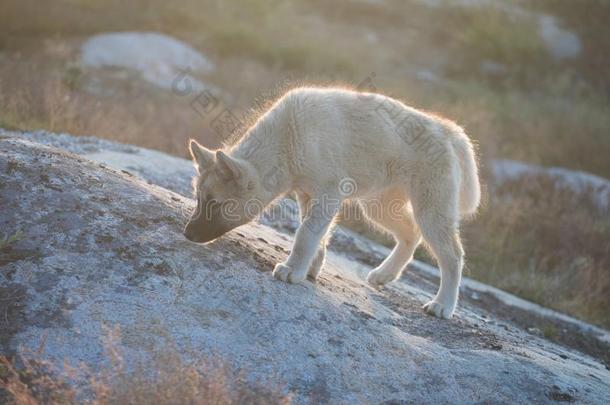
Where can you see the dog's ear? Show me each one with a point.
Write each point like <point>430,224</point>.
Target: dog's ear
<point>229,167</point>
<point>202,157</point>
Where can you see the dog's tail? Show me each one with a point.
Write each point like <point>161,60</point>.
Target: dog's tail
<point>470,189</point>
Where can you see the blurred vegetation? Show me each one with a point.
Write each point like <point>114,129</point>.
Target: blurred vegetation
<point>197,380</point>
<point>7,240</point>
<point>545,244</point>
<point>528,106</point>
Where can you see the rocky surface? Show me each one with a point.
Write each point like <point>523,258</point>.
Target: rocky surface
<point>101,246</point>
<point>559,42</point>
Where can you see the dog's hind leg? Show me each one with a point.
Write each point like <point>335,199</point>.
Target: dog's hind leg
<point>395,216</point>
<point>436,213</point>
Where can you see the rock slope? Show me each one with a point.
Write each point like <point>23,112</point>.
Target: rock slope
<point>100,246</point>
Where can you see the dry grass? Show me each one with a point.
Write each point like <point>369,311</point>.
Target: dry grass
<point>36,97</point>
<point>545,244</point>
<point>564,122</point>
<point>168,379</point>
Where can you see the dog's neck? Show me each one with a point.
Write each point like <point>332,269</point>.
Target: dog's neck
<point>262,147</point>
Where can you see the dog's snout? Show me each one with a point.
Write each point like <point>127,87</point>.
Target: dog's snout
<point>189,233</point>
<point>204,232</point>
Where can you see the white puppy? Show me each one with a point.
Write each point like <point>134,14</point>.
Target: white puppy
<point>413,174</point>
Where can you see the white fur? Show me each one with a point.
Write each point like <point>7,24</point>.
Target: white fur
<point>413,174</point>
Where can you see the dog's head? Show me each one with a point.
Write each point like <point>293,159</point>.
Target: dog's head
<point>226,189</point>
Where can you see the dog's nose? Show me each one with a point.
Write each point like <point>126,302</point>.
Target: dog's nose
<point>189,234</point>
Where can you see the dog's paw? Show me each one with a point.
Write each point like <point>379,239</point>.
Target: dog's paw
<point>313,277</point>
<point>288,274</point>
<point>380,277</point>
<point>439,310</point>
<point>314,272</point>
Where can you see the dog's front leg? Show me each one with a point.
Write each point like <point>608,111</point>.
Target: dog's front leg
<point>307,240</point>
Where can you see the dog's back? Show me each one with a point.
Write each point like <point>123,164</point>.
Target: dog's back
<point>377,141</point>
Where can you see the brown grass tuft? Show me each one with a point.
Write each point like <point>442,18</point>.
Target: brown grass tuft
<point>168,379</point>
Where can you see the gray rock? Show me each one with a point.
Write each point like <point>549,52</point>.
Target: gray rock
<point>489,67</point>
<point>175,174</point>
<point>580,183</point>
<point>158,58</point>
<point>560,43</point>
<point>101,246</point>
